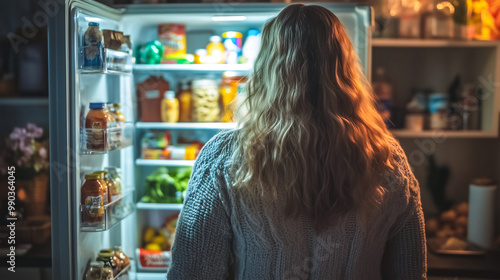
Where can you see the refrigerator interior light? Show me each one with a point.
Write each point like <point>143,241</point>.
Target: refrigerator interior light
<point>93,19</point>
<point>229,18</point>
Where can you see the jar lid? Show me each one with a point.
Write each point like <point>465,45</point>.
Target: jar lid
<point>200,52</point>
<point>101,172</point>
<point>92,176</point>
<point>117,247</point>
<point>105,254</point>
<point>92,23</point>
<point>215,39</point>
<point>97,264</point>
<point>204,83</point>
<point>117,105</point>
<point>97,105</point>
<point>232,34</point>
<point>253,32</point>
<point>107,251</point>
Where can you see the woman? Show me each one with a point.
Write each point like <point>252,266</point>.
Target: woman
<point>312,185</point>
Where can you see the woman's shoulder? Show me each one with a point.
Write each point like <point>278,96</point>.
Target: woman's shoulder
<point>218,147</point>
<point>400,179</point>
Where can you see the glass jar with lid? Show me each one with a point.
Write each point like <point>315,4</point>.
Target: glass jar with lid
<point>205,101</point>
<point>95,271</point>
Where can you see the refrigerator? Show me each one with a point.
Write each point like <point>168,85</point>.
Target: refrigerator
<point>72,88</point>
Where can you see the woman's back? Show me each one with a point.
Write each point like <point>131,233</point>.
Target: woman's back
<point>311,185</point>
<point>221,236</point>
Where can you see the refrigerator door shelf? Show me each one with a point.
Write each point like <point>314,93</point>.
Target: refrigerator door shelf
<point>102,141</point>
<point>163,162</point>
<point>112,62</point>
<point>123,274</point>
<point>114,212</point>
<point>186,125</point>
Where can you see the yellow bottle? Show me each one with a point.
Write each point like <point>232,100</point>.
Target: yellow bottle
<point>170,107</point>
<point>216,50</point>
<point>185,103</point>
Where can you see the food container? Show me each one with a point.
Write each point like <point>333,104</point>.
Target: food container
<point>205,101</point>
<point>232,42</point>
<point>438,104</point>
<point>173,38</point>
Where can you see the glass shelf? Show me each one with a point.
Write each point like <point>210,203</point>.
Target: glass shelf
<point>186,125</point>
<point>113,62</point>
<point>113,213</point>
<point>159,206</point>
<point>163,162</point>
<point>102,141</point>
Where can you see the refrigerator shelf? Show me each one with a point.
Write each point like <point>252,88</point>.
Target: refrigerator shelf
<point>102,141</point>
<point>192,67</point>
<point>114,212</point>
<point>186,125</point>
<point>112,62</point>
<point>163,162</point>
<point>159,206</point>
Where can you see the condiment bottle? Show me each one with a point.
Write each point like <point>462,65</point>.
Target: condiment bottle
<point>95,271</point>
<point>170,107</point>
<point>216,50</point>
<point>185,103</point>
<point>125,261</point>
<point>114,177</point>
<point>115,111</point>
<point>111,187</point>
<point>104,183</point>
<point>106,256</point>
<point>92,47</point>
<point>93,196</point>
<point>98,119</point>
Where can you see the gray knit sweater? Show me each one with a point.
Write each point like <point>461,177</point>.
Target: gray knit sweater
<point>218,238</point>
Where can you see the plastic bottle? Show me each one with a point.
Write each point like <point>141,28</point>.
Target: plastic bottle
<point>185,102</point>
<point>169,107</point>
<point>252,45</point>
<point>216,50</point>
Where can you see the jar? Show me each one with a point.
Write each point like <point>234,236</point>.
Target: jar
<point>95,271</point>
<point>125,261</point>
<point>106,183</point>
<point>205,101</point>
<point>92,200</point>
<point>115,180</point>
<point>185,98</point>
<point>97,121</point>
<point>106,256</point>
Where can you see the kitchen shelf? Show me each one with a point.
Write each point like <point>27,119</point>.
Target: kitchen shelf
<point>159,206</point>
<point>163,162</point>
<point>402,133</point>
<point>109,139</point>
<point>185,125</point>
<point>24,101</point>
<point>430,43</point>
<point>114,212</point>
<point>192,67</point>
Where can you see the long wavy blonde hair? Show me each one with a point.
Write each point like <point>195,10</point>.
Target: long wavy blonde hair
<point>312,135</point>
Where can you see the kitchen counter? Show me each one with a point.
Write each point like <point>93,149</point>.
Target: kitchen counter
<point>486,266</point>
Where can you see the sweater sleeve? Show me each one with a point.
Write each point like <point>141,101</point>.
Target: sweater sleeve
<point>203,238</point>
<point>405,254</point>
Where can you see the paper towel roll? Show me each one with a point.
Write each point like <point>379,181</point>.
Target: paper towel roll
<point>481,225</point>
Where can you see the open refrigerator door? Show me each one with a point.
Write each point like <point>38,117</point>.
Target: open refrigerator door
<point>170,58</point>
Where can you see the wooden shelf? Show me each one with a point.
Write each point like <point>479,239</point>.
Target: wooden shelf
<point>430,43</point>
<point>402,133</point>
